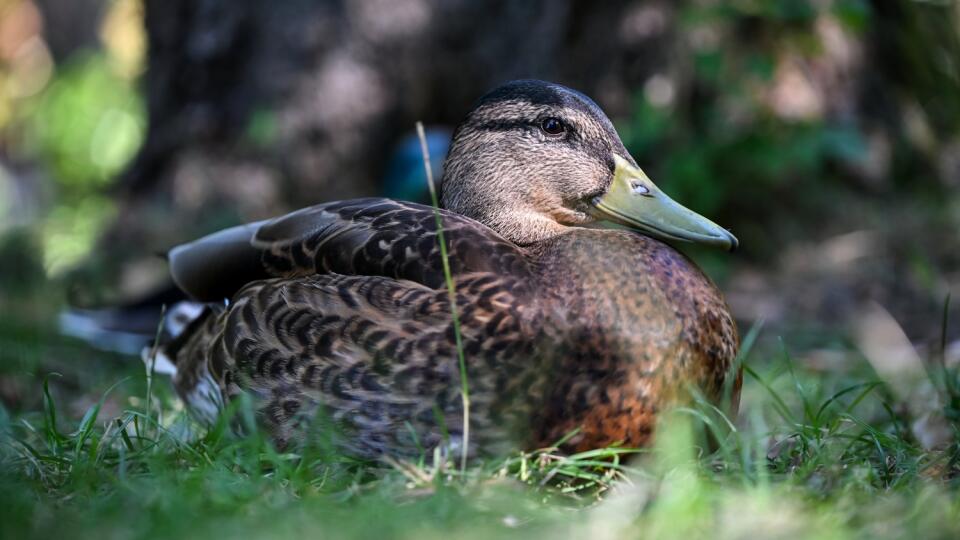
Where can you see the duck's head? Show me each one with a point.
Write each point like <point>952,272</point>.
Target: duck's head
<point>534,158</point>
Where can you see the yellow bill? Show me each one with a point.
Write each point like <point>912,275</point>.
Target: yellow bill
<point>635,201</point>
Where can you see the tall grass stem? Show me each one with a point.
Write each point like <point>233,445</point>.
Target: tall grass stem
<point>451,291</point>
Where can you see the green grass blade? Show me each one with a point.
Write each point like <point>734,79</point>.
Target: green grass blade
<point>452,293</point>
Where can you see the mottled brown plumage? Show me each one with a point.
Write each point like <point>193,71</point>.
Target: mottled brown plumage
<point>342,307</point>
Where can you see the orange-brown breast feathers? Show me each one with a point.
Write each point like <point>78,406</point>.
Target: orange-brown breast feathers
<point>636,323</point>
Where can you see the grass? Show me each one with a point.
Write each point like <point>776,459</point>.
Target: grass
<point>812,455</point>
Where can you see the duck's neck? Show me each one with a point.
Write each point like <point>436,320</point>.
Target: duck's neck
<point>526,229</point>
<point>506,214</point>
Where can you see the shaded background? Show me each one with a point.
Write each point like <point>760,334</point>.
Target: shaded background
<point>824,134</point>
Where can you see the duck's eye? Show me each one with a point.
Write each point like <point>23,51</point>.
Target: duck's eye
<point>553,127</point>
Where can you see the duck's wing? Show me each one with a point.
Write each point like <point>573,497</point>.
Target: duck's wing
<point>378,356</point>
<point>367,237</point>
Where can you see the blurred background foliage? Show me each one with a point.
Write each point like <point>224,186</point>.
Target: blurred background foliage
<point>68,128</point>
<point>824,133</point>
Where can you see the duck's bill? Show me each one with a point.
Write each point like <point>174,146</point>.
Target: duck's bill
<point>633,200</point>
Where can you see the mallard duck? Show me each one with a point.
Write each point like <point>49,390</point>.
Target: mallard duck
<point>567,328</point>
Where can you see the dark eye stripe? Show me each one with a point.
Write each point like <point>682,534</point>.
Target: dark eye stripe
<point>504,125</point>
<point>600,150</point>
<point>508,125</point>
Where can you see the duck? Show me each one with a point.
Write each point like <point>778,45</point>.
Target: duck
<point>577,319</point>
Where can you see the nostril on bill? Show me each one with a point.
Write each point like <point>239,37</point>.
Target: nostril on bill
<point>639,188</point>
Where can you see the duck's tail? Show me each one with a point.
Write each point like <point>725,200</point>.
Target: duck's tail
<point>181,353</point>
<point>123,328</point>
<point>168,339</point>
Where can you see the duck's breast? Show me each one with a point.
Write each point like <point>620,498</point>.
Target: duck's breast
<point>632,323</point>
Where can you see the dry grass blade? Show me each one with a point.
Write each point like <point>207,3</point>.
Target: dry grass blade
<point>898,364</point>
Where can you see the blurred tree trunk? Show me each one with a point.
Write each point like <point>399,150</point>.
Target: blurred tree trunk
<point>71,25</point>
